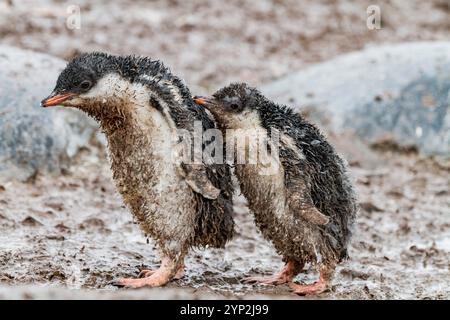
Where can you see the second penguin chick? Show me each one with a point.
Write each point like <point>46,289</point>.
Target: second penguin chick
<point>306,207</point>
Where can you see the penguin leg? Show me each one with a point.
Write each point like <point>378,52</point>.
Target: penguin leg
<point>144,273</point>
<point>324,283</point>
<point>287,274</point>
<point>160,277</point>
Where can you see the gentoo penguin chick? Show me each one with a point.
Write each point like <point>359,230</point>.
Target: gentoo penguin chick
<point>307,206</point>
<point>140,107</point>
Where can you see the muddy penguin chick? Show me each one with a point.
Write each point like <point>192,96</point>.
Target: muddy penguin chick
<point>141,107</point>
<point>306,207</point>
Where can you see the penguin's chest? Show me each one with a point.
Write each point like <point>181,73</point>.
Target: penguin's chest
<point>267,200</point>
<point>260,173</point>
<point>265,193</point>
<point>146,171</point>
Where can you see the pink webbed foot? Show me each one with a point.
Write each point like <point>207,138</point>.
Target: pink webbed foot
<point>304,289</point>
<point>145,273</point>
<point>324,283</point>
<point>156,280</point>
<point>153,278</point>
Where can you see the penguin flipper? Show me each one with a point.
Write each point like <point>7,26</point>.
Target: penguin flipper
<point>196,177</point>
<point>301,203</point>
<point>313,215</point>
<point>299,191</point>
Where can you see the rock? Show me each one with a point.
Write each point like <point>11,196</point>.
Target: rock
<point>398,92</point>
<point>31,222</point>
<point>33,139</point>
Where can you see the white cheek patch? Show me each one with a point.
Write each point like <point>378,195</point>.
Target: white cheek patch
<point>112,88</point>
<point>104,88</point>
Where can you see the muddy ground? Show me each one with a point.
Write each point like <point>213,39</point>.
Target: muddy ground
<point>72,231</point>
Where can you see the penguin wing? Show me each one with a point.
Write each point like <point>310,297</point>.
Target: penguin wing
<point>196,177</point>
<point>299,200</point>
<point>296,182</point>
<point>194,174</point>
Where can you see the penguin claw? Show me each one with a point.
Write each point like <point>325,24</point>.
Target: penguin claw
<point>144,273</point>
<point>127,283</point>
<point>116,283</point>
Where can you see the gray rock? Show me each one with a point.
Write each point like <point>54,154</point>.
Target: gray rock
<point>33,139</point>
<point>400,92</point>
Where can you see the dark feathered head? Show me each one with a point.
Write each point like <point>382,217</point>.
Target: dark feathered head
<point>104,85</point>
<point>81,76</point>
<point>234,106</point>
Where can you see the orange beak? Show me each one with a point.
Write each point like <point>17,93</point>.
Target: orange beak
<point>201,100</point>
<point>56,100</point>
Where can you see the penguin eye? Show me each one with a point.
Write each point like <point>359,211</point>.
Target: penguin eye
<point>86,84</point>
<point>234,106</point>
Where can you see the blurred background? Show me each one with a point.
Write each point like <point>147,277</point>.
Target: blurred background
<point>375,75</point>
<point>210,43</point>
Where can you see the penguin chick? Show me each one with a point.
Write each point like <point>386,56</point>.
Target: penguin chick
<point>306,207</point>
<point>140,105</point>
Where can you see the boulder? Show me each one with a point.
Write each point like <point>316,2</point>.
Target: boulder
<point>34,139</point>
<point>398,92</point>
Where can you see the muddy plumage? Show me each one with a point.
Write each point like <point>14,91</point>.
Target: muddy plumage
<point>307,207</point>
<point>140,106</point>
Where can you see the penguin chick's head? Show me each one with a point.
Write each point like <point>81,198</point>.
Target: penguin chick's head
<point>79,83</point>
<point>234,106</point>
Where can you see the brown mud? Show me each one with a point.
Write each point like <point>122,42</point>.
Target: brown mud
<point>73,231</point>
